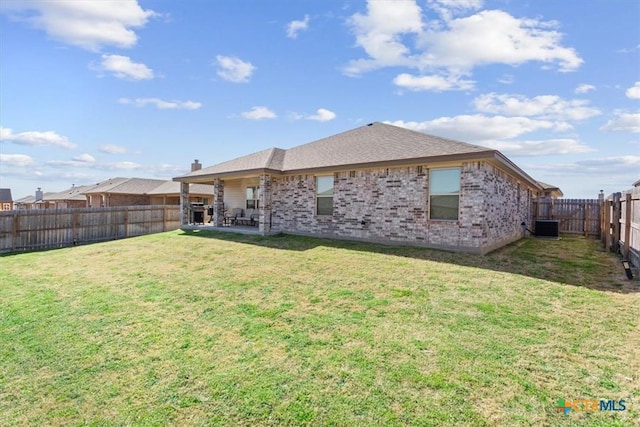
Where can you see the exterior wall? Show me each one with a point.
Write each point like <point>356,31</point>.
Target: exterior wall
<point>235,192</point>
<point>127,200</point>
<point>70,204</point>
<point>391,205</point>
<point>175,200</point>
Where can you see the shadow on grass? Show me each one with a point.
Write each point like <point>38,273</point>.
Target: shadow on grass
<point>571,260</point>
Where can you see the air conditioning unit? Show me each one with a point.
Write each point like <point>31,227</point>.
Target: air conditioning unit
<point>547,228</point>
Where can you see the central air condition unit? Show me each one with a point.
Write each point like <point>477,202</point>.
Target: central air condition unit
<point>547,228</point>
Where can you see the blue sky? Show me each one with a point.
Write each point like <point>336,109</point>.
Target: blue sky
<point>96,89</point>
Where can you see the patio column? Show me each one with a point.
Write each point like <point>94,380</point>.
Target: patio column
<point>264,224</point>
<point>218,202</point>
<point>184,203</point>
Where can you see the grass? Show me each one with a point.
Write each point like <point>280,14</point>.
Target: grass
<point>220,329</point>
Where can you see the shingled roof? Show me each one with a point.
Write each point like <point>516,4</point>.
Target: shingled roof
<point>5,195</point>
<point>125,186</point>
<point>375,144</point>
<point>172,187</point>
<point>73,193</point>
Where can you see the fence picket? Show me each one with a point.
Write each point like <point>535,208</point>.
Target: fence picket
<point>46,229</point>
<point>575,216</point>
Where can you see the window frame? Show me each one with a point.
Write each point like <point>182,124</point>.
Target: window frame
<point>448,194</point>
<point>256,197</point>
<point>318,196</point>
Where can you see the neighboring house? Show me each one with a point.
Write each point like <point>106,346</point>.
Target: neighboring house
<point>378,183</point>
<point>549,190</point>
<point>121,192</point>
<point>168,193</point>
<point>116,192</point>
<point>70,198</point>
<point>33,202</point>
<point>6,201</point>
<point>25,202</point>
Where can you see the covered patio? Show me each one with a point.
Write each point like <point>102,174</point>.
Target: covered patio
<point>232,195</point>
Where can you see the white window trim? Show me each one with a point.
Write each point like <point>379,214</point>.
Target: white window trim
<point>444,194</point>
<point>318,196</point>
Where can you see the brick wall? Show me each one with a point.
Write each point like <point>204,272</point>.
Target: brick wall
<point>128,200</point>
<point>391,205</point>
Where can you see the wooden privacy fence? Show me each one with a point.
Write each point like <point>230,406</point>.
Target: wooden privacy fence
<point>621,224</point>
<point>53,228</point>
<point>575,216</point>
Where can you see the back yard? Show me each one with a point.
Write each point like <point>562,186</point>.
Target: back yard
<point>214,329</point>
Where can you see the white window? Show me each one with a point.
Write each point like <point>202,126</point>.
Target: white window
<point>444,193</point>
<point>253,196</point>
<point>324,195</point>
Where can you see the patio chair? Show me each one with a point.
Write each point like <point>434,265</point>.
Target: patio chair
<point>249,218</point>
<point>231,217</point>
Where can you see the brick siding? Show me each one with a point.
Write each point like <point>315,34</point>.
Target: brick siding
<point>391,206</point>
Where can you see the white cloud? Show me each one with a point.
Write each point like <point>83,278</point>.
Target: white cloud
<point>112,149</point>
<point>607,163</point>
<point>234,69</point>
<point>122,166</point>
<point>379,34</point>
<point>448,8</point>
<point>294,27</point>
<point>629,50</point>
<point>634,91</point>
<point>322,115</point>
<point>506,79</point>
<point>124,68</point>
<point>160,104</point>
<point>19,160</point>
<point>539,148</point>
<point>495,37</point>
<point>497,132</point>
<point>166,170</point>
<point>259,113</point>
<point>623,122</point>
<point>584,88</point>
<point>86,24</point>
<point>434,83</point>
<point>84,158</point>
<point>478,127</point>
<point>543,106</point>
<point>394,34</point>
<point>610,166</point>
<point>36,138</point>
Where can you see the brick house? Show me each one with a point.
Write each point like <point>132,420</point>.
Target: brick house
<point>6,201</point>
<point>70,198</point>
<point>378,183</point>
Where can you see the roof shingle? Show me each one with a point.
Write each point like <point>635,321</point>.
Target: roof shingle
<point>373,143</point>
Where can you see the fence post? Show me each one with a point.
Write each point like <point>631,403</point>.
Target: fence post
<point>126,221</point>
<point>586,219</point>
<point>607,222</point>
<point>617,212</point>
<point>627,225</point>
<point>14,231</point>
<point>75,227</point>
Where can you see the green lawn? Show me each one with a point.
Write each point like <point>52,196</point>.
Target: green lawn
<point>220,329</point>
